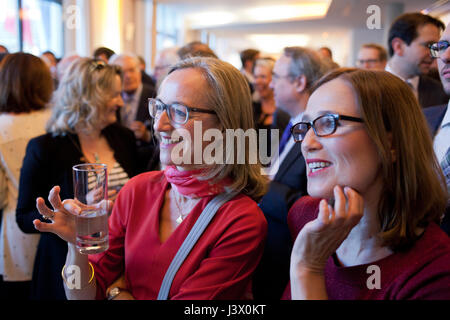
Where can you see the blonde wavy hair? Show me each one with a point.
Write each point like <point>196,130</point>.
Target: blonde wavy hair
<point>228,94</point>
<point>82,95</point>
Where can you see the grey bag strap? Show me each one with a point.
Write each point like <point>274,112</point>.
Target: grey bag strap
<point>191,239</point>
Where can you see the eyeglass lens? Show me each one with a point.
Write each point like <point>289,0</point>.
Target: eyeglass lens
<point>438,48</point>
<point>176,112</point>
<point>322,126</point>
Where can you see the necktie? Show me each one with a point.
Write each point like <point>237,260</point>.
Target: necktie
<point>285,137</point>
<point>127,112</point>
<point>445,164</point>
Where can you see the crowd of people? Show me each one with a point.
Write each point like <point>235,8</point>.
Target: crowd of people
<point>362,178</point>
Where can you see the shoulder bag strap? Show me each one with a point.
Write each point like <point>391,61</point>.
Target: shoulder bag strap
<point>188,243</point>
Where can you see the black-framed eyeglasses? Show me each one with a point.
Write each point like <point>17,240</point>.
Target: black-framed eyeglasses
<point>177,112</point>
<point>438,48</point>
<point>323,126</point>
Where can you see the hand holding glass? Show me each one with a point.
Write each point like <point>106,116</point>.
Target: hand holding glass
<point>90,185</point>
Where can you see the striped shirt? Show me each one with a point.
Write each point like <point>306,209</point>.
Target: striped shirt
<point>446,168</point>
<point>117,177</point>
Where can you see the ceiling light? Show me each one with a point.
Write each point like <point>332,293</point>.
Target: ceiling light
<point>289,12</point>
<point>210,18</point>
<point>274,43</point>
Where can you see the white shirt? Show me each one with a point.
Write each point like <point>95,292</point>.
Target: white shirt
<point>248,75</point>
<point>442,138</point>
<point>279,158</point>
<point>17,249</point>
<point>413,82</point>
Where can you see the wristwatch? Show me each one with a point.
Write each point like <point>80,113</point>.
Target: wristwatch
<point>114,292</point>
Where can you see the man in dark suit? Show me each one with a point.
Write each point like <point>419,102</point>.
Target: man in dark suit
<point>134,114</point>
<point>439,117</point>
<point>409,37</point>
<point>135,94</point>
<point>292,77</point>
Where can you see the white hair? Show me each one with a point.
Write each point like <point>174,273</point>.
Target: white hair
<point>117,57</point>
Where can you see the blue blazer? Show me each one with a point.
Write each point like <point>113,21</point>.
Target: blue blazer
<point>434,116</point>
<point>431,92</point>
<point>288,185</point>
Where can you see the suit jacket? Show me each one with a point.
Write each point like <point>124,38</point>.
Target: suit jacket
<point>289,184</point>
<point>434,116</point>
<point>149,150</point>
<point>148,80</point>
<point>48,162</point>
<point>431,92</point>
<point>142,113</point>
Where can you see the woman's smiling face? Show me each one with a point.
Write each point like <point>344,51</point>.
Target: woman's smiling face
<point>186,87</point>
<point>348,157</point>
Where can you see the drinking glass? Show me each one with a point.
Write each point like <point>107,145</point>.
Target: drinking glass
<point>90,185</point>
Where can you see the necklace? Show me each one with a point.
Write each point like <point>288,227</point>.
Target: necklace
<point>182,215</point>
<point>78,146</point>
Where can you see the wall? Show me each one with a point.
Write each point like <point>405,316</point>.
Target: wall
<point>122,25</point>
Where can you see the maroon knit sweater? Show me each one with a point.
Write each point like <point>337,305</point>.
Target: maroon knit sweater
<point>422,272</point>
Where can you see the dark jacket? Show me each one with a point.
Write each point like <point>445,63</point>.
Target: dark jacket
<point>288,185</point>
<point>434,116</point>
<point>142,113</point>
<point>150,150</point>
<point>148,80</point>
<point>48,162</point>
<point>431,92</point>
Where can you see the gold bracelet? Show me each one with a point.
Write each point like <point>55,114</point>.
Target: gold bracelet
<point>90,280</point>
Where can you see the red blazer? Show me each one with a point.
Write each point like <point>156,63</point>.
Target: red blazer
<point>220,266</point>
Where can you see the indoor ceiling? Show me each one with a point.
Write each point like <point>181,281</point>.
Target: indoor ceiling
<point>282,15</point>
<point>284,23</point>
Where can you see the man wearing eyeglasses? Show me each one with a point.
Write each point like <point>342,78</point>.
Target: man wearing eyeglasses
<point>439,117</point>
<point>293,75</point>
<point>372,56</point>
<point>409,38</point>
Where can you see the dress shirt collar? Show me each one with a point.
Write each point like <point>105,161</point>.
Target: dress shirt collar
<point>297,118</point>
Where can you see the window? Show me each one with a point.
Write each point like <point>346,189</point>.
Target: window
<point>166,26</point>
<point>39,28</point>
<point>9,25</point>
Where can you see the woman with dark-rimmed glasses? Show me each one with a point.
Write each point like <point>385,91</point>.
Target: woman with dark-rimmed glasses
<point>371,230</point>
